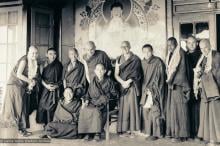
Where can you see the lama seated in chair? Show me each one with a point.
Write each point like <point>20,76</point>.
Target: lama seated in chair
<point>94,112</point>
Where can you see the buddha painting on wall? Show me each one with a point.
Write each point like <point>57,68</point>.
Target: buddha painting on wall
<point>112,21</point>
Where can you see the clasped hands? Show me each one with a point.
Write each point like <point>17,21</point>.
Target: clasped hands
<point>51,87</point>
<point>84,103</point>
<point>126,84</point>
<point>31,84</point>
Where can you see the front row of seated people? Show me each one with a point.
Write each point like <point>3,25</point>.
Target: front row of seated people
<point>86,117</point>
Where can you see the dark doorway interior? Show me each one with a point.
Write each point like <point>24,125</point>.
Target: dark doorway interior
<point>218,31</point>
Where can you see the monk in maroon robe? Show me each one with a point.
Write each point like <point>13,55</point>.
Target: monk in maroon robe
<point>193,54</point>
<point>128,72</point>
<point>177,112</point>
<point>74,74</point>
<point>93,113</point>
<point>153,94</point>
<point>94,57</point>
<point>65,120</point>
<point>207,81</point>
<point>52,86</point>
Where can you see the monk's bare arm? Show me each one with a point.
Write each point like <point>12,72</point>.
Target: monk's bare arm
<point>20,72</point>
<point>116,74</point>
<point>86,70</point>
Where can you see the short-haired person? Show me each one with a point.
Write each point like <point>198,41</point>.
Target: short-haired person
<point>128,72</point>
<point>51,90</point>
<point>177,112</point>
<point>153,94</point>
<point>93,114</point>
<point>192,56</point>
<point>93,57</point>
<point>207,73</point>
<point>65,120</point>
<point>74,74</point>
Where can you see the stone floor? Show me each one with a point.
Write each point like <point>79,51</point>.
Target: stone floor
<point>7,133</point>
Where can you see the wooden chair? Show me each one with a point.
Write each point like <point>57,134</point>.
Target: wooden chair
<point>112,116</point>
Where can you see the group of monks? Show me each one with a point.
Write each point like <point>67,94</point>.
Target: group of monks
<point>177,99</point>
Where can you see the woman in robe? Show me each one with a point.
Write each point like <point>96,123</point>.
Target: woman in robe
<point>21,86</point>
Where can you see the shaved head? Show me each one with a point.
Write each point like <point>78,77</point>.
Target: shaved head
<point>32,48</point>
<point>91,44</point>
<point>32,52</point>
<point>90,48</point>
<point>205,46</point>
<point>205,42</point>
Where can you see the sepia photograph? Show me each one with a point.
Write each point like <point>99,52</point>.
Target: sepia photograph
<point>110,72</point>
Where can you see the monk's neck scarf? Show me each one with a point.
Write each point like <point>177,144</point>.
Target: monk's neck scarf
<point>32,68</point>
<point>173,62</point>
<point>208,65</point>
<point>197,70</point>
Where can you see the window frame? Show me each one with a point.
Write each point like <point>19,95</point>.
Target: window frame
<point>18,43</point>
<point>194,28</point>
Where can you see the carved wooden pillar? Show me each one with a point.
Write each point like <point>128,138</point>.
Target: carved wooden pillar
<point>169,18</point>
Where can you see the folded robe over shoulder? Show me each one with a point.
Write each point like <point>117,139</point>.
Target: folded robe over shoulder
<point>131,69</point>
<point>76,78</point>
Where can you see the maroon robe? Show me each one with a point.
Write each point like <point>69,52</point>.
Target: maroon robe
<point>65,121</point>
<point>76,78</point>
<point>209,128</point>
<point>129,114</point>
<point>153,119</point>
<point>92,118</point>
<point>52,74</point>
<point>177,112</point>
<point>99,57</point>
<point>194,104</point>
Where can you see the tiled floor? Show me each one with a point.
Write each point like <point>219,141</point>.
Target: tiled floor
<point>114,141</point>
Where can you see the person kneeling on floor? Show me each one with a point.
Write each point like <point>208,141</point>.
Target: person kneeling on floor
<point>65,121</point>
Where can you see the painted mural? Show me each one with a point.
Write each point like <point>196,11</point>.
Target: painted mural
<point>109,22</point>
